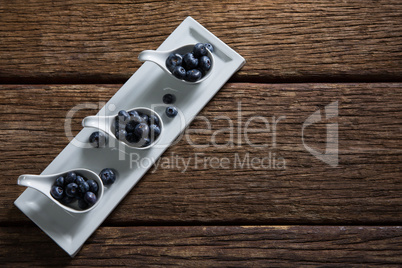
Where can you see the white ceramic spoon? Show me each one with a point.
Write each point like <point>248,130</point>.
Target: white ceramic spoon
<point>106,124</point>
<point>159,57</point>
<point>43,184</point>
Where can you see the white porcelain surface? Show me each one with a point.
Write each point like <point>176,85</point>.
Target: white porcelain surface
<point>145,88</point>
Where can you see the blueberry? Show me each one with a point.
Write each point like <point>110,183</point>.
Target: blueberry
<point>169,98</point>
<point>153,119</point>
<point>132,124</point>
<point>121,135</point>
<point>57,192</point>
<point>141,130</point>
<point>190,60</point>
<point>199,50</point>
<point>205,63</point>
<point>209,47</point>
<point>171,111</point>
<point>173,60</point>
<point>193,75</point>
<point>123,116</point>
<point>146,142</point>
<point>144,117</point>
<point>82,204</point>
<point>79,180</point>
<point>90,198</point>
<point>83,187</point>
<point>179,72</point>
<point>108,176</point>
<point>154,131</point>
<point>93,186</point>
<point>97,139</point>
<point>71,189</point>
<point>59,181</point>
<point>132,138</point>
<point>70,177</point>
<point>133,113</point>
<point>67,200</point>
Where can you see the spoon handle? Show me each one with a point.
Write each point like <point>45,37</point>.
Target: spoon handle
<point>158,57</point>
<point>99,122</point>
<point>36,182</point>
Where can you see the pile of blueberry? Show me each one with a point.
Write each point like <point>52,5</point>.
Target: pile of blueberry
<point>137,128</point>
<point>191,66</point>
<point>71,187</point>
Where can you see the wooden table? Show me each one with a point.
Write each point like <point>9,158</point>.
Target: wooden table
<point>301,56</point>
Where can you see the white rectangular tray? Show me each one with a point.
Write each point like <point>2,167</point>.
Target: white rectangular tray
<point>145,88</point>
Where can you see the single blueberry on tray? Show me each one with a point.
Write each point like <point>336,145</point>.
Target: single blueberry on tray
<point>57,192</point>
<point>171,111</point>
<point>97,139</point>
<point>108,176</point>
<point>169,98</point>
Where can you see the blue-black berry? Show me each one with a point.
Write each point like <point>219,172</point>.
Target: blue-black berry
<point>169,98</point>
<point>173,60</point>
<point>205,63</point>
<point>57,192</point>
<point>179,72</point>
<point>97,139</point>
<point>209,47</point>
<point>171,111</point>
<point>90,198</point>
<point>71,189</point>
<point>190,61</point>
<point>70,177</point>
<point>108,176</point>
<point>199,50</point>
<point>193,75</point>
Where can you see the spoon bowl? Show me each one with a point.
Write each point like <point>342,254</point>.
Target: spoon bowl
<point>106,124</point>
<point>159,57</point>
<point>43,184</point>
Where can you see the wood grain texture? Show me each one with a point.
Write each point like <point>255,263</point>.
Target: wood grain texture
<point>99,41</point>
<point>283,246</point>
<point>365,188</point>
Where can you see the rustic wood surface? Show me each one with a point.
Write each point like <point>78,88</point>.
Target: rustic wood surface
<point>233,246</point>
<point>301,56</point>
<point>92,41</point>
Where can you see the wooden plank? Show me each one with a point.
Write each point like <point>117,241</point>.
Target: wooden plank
<point>334,246</point>
<point>98,42</point>
<point>365,188</point>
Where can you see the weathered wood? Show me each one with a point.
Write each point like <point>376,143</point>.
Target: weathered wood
<point>338,246</point>
<point>97,42</point>
<point>365,188</point>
